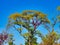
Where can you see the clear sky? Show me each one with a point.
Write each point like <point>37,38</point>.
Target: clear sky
<point>8,7</point>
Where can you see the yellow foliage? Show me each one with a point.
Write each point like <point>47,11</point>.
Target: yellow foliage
<point>10,35</point>
<point>10,43</point>
<point>20,23</point>
<point>58,17</point>
<point>42,15</point>
<point>49,40</point>
<point>32,11</point>
<point>58,8</point>
<point>27,17</point>
<point>20,29</point>
<point>48,21</point>
<point>53,33</point>
<point>26,34</point>
<point>14,16</point>
<point>39,14</point>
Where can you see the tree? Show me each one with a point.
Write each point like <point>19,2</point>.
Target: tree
<point>52,36</point>
<point>10,40</point>
<point>58,8</point>
<point>28,20</point>
<point>3,37</point>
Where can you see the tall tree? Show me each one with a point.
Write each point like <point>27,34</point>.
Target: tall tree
<point>28,20</point>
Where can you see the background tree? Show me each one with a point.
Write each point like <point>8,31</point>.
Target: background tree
<point>52,37</point>
<point>3,37</point>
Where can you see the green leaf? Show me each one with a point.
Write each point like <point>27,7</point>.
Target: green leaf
<point>26,34</point>
<point>20,29</point>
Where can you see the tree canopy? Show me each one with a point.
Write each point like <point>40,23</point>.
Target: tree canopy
<point>31,20</point>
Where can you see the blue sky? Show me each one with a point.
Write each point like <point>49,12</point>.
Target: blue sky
<point>8,7</point>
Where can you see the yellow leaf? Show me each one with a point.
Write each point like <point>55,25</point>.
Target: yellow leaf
<point>14,16</point>
<point>58,8</point>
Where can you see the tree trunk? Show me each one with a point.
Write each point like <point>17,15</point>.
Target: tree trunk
<point>29,40</point>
